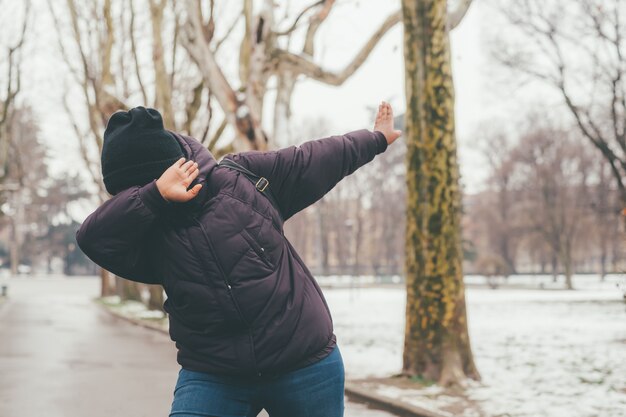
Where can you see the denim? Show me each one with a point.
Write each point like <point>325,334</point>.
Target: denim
<point>316,390</point>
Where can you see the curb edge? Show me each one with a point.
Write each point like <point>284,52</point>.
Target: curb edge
<point>392,405</point>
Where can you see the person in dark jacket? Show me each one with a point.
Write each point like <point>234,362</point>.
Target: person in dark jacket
<point>250,323</point>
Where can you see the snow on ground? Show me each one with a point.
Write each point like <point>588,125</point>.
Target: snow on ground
<point>540,352</point>
<point>135,310</point>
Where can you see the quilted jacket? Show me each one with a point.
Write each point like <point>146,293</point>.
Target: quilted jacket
<point>240,300</point>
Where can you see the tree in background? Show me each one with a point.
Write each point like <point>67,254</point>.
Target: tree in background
<point>578,47</point>
<point>103,44</point>
<point>437,345</point>
<point>555,170</point>
<point>266,52</point>
<point>10,84</point>
<point>36,212</point>
<point>496,211</point>
<point>603,201</point>
<point>547,197</point>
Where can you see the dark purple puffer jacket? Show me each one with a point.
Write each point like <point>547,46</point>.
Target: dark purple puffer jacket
<point>240,299</point>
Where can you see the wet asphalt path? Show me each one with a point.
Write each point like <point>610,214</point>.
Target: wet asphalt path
<point>61,355</point>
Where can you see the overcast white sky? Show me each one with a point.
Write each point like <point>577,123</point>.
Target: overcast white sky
<point>481,96</point>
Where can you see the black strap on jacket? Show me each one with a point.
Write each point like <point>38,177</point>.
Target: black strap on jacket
<point>260,183</point>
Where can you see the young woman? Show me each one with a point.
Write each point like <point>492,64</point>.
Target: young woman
<point>251,325</point>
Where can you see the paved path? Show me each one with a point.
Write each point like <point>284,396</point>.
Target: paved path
<point>61,355</point>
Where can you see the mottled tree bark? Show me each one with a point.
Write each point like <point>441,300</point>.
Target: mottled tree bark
<point>437,346</point>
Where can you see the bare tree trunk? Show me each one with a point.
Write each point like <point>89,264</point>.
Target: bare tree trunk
<point>11,86</point>
<point>555,267</point>
<point>566,261</point>
<point>127,290</point>
<point>156,297</point>
<point>437,345</point>
<point>359,223</point>
<point>323,243</point>
<point>105,283</point>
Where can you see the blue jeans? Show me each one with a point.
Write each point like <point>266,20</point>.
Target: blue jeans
<point>313,391</point>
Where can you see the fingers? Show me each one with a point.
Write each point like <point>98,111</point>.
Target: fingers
<point>190,176</point>
<point>178,163</point>
<point>185,167</point>
<point>189,194</point>
<point>384,111</point>
<point>194,191</point>
<point>193,173</point>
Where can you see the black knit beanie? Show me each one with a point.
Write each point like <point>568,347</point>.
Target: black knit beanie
<point>136,149</point>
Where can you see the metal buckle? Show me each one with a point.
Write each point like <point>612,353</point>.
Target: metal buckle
<point>264,185</point>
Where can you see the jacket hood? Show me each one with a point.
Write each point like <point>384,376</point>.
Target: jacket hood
<point>197,152</point>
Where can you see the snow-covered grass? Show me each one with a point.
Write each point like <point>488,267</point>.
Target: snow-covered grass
<point>540,352</point>
<point>134,310</point>
<point>543,282</point>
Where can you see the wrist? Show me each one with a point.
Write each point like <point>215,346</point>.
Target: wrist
<point>153,199</point>
<point>381,141</point>
<point>159,187</point>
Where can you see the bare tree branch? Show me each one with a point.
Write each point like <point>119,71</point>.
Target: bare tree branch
<point>301,64</point>
<point>597,43</point>
<point>294,25</point>
<point>314,25</point>
<point>227,34</point>
<point>456,16</point>
<point>133,45</point>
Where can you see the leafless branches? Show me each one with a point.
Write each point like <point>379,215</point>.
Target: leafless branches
<point>13,84</point>
<point>577,47</point>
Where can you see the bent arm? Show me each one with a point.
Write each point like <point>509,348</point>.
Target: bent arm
<point>301,175</point>
<point>115,235</point>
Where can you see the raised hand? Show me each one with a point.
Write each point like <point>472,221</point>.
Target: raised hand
<point>173,183</point>
<point>384,123</point>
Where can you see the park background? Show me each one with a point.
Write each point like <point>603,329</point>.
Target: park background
<point>538,114</point>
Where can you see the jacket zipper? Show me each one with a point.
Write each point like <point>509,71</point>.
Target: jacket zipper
<point>230,293</point>
<point>257,248</point>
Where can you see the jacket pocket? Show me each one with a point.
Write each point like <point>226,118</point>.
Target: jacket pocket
<point>257,248</point>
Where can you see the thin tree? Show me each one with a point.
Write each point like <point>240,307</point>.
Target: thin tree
<point>103,49</point>
<point>497,208</point>
<point>555,170</point>
<point>10,84</point>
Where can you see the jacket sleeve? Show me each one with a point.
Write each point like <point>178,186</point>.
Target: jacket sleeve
<point>301,175</point>
<point>115,235</point>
